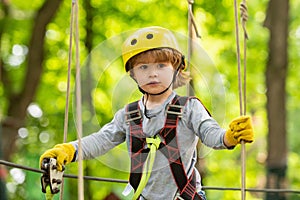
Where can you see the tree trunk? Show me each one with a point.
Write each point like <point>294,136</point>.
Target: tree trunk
<point>18,103</point>
<point>276,70</point>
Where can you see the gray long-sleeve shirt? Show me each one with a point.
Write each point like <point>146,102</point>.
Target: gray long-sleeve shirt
<point>195,123</point>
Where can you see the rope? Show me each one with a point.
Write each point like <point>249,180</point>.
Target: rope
<point>244,17</point>
<point>66,117</point>
<point>91,178</point>
<point>192,18</point>
<point>10,164</point>
<point>242,98</point>
<point>78,106</point>
<point>74,14</point>
<point>190,91</point>
<point>191,26</point>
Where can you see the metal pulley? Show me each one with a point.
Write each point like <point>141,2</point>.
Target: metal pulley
<point>52,177</point>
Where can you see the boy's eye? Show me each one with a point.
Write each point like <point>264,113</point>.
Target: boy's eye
<point>161,65</point>
<point>143,67</point>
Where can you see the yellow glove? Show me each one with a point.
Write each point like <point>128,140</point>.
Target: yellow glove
<point>63,153</point>
<point>239,129</point>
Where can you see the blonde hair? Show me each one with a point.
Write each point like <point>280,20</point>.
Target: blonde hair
<point>163,55</point>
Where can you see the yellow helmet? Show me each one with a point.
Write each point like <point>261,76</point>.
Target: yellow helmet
<point>145,39</point>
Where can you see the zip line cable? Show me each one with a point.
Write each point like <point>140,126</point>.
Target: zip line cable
<point>101,179</point>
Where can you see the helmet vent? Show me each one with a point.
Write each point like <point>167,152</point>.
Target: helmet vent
<point>133,42</point>
<point>149,36</point>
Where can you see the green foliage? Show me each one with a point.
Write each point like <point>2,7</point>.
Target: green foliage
<point>112,89</point>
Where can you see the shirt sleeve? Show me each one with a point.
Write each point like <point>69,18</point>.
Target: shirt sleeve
<point>204,126</point>
<point>109,136</point>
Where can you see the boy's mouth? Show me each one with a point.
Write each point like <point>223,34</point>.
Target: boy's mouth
<point>153,83</point>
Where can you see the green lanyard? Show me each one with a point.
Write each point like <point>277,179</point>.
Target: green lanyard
<point>153,144</point>
<point>48,195</point>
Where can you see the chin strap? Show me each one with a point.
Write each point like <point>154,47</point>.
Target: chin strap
<point>155,94</point>
<point>182,63</point>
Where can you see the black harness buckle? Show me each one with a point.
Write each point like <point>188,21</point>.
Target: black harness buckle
<point>174,109</point>
<point>133,115</point>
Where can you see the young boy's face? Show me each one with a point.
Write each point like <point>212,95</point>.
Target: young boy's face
<point>153,77</point>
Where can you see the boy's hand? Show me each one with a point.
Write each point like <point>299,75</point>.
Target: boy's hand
<point>239,129</point>
<point>63,153</point>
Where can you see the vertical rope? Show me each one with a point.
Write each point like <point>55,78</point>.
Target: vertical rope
<point>66,117</point>
<point>191,26</point>
<point>244,17</point>
<point>190,91</point>
<point>242,91</point>
<point>238,56</point>
<point>78,106</point>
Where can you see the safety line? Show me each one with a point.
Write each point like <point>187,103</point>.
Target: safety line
<point>101,179</point>
<point>242,101</point>
<point>244,18</point>
<point>238,57</point>
<point>74,16</point>
<point>191,18</point>
<point>191,26</point>
<point>66,117</point>
<point>78,106</point>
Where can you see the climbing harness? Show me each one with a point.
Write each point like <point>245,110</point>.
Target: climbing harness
<point>168,146</point>
<point>51,178</point>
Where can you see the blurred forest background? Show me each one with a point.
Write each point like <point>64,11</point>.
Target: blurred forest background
<point>34,46</point>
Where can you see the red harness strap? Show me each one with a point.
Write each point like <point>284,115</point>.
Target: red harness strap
<point>138,153</point>
<point>169,147</point>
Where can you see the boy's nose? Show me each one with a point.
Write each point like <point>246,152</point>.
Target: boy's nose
<point>153,71</point>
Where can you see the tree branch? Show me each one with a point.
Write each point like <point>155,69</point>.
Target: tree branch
<point>18,103</point>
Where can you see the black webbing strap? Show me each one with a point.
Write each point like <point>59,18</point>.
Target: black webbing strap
<point>186,186</point>
<point>137,143</point>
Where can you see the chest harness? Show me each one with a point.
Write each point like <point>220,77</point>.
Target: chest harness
<point>168,146</point>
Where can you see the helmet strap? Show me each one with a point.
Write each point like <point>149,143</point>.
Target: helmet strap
<point>173,80</point>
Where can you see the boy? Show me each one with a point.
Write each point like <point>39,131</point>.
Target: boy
<point>161,129</point>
